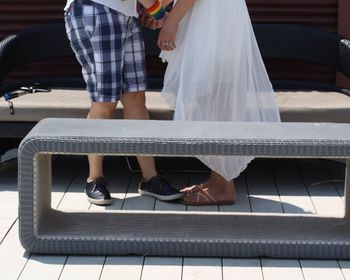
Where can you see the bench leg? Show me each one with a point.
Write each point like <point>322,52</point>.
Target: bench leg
<point>346,189</point>
<point>35,195</point>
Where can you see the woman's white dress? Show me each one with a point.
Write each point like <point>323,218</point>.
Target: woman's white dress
<point>216,73</point>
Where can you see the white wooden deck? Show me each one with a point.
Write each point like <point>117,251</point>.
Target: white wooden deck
<point>273,186</point>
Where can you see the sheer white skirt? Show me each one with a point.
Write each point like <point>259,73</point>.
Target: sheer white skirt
<point>216,73</point>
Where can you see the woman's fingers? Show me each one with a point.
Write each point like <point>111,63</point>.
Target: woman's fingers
<point>163,43</point>
<point>172,44</point>
<point>166,42</point>
<point>166,45</point>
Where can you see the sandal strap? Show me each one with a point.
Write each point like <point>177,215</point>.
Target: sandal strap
<point>207,196</point>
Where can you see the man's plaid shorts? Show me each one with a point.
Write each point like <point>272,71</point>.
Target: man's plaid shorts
<point>110,48</point>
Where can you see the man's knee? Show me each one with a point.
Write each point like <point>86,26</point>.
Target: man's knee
<point>135,99</point>
<point>103,110</point>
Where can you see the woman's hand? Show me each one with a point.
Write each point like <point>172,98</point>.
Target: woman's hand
<point>167,35</point>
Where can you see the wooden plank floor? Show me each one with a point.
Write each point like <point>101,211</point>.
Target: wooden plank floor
<point>268,186</point>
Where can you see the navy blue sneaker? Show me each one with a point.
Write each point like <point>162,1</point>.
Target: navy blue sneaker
<point>97,192</point>
<point>159,188</point>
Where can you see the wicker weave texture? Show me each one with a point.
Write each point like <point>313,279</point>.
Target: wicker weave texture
<point>44,230</point>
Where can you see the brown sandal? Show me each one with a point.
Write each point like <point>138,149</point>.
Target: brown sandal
<point>197,196</point>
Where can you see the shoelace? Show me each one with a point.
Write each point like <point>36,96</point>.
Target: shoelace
<point>97,184</point>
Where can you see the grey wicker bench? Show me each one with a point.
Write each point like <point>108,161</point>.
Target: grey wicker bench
<point>46,230</point>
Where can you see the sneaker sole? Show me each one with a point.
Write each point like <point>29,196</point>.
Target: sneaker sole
<point>99,202</point>
<point>162,197</point>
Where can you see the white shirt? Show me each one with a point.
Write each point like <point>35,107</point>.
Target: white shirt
<point>126,7</point>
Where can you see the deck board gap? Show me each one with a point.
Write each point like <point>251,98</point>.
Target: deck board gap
<point>271,171</point>
<point>7,232</point>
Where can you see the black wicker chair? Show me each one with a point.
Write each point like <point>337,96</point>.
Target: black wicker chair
<point>35,44</point>
<point>275,41</point>
<point>307,44</point>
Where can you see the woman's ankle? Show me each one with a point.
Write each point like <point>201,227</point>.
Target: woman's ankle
<point>217,180</point>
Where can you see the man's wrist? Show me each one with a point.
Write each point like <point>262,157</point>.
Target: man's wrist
<point>157,11</point>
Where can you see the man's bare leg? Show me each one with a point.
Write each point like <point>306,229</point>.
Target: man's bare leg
<point>135,108</point>
<point>99,110</point>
